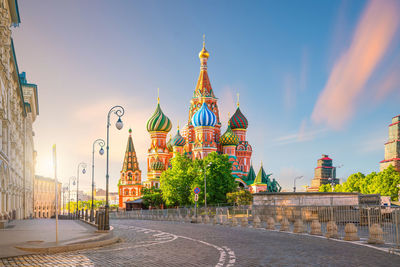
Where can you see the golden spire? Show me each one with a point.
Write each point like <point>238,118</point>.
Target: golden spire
<point>237,102</point>
<point>229,119</point>
<point>158,95</point>
<point>204,53</point>
<point>178,125</point>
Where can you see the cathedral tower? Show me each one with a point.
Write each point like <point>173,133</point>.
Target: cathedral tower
<point>392,147</point>
<point>158,154</point>
<point>130,182</point>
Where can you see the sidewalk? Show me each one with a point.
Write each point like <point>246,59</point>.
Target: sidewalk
<point>41,233</point>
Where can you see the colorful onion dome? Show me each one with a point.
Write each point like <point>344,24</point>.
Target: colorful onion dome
<point>157,165</point>
<point>178,140</point>
<point>238,120</point>
<point>204,117</point>
<point>229,138</point>
<point>169,144</point>
<point>158,122</point>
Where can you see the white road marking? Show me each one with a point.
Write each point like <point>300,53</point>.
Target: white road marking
<point>164,237</point>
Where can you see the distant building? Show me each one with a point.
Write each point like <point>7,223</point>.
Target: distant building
<point>44,197</point>
<point>130,182</point>
<point>322,174</point>
<point>392,146</point>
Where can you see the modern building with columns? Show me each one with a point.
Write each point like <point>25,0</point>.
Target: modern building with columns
<point>18,110</point>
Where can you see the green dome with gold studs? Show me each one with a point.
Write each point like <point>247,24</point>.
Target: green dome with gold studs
<point>158,122</point>
<point>229,138</point>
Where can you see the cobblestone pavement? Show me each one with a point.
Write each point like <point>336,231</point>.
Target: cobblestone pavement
<point>154,243</point>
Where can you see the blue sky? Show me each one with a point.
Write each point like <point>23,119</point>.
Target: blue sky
<point>314,77</point>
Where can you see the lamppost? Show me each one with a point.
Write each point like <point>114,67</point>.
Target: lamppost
<point>119,111</point>
<point>69,192</point>
<point>83,165</point>
<point>101,143</point>
<point>294,185</point>
<point>331,179</point>
<point>205,184</point>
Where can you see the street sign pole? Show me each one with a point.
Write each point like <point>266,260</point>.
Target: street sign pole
<point>56,188</point>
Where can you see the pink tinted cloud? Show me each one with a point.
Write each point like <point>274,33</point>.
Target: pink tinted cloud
<point>371,40</point>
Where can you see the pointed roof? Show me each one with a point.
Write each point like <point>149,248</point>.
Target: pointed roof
<point>262,177</point>
<point>251,176</point>
<point>130,159</point>
<point>203,86</point>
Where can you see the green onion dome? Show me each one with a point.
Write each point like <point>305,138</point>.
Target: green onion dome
<point>229,138</point>
<point>238,120</point>
<point>169,144</point>
<point>159,122</point>
<point>157,165</point>
<point>178,140</point>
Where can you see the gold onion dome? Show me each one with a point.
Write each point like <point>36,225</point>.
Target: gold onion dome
<point>204,53</point>
<point>157,165</point>
<point>229,138</point>
<point>159,122</point>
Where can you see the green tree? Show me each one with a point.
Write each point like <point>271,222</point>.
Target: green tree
<point>325,188</point>
<point>353,183</point>
<point>241,197</point>
<point>152,197</point>
<point>176,182</point>
<point>218,175</point>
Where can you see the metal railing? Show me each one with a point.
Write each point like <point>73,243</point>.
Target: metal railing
<point>362,217</point>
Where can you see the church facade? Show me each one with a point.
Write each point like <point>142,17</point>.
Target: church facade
<point>201,135</point>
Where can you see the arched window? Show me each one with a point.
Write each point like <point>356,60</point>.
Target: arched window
<point>133,192</point>
<point>126,192</point>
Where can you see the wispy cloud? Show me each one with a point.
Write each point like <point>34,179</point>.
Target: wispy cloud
<point>304,134</point>
<point>371,40</point>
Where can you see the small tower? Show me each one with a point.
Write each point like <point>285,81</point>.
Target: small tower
<point>177,142</point>
<point>244,150</point>
<point>130,182</point>
<point>392,146</point>
<point>204,121</point>
<point>262,182</point>
<point>158,154</point>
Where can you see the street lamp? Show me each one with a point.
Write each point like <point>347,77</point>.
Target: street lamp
<point>294,185</point>
<point>101,143</point>
<point>205,184</point>
<point>119,111</point>
<point>331,179</point>
<point>83,165</point>
<point>69,192</point>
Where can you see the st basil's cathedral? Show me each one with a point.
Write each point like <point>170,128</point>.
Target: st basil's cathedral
<point>200,136</point>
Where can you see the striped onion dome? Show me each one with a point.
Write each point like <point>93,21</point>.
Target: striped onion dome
<point>204,117</point>
<point>178,140</point>
<point>169,144</point>
<point>238,120</point>
<point>158,122</point>
<point>157,165</point>
<point>229,138</point>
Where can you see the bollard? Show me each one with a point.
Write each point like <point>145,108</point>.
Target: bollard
<point>187,218</point>
<point>375,234</point>
<point>350,231</point>
<point>86,215</point>
<point>206,219</point>
<point>91,215</point>
<point>234,221</point>
<point>256,222</point>
<point>244,222</point>
<point>315,228</point>
<point>100,225</point>
<point>215,220</point>
<point>199,219</point>
<point>97,217</point>
<point>270,223</point>
<point>284,224</point>
<point>331,230</point>
<point>299,227</point>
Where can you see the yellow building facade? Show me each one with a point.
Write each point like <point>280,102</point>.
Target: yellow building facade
<point>44,197</point>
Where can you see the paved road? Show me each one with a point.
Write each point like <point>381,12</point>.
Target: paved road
<point>154,243</point>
